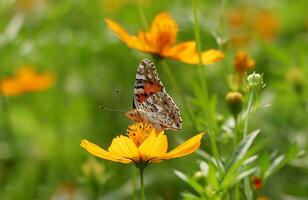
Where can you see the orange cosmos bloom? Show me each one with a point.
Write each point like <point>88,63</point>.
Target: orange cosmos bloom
<point>266,24</point>
<point>246,22</point>
<point>141,146</point>
<point>160,40</point>
<point>243,62</point>
<point>25,80</point>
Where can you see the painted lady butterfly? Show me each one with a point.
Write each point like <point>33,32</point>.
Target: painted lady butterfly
<point>151,102</point>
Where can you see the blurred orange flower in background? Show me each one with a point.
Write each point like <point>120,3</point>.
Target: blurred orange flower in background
<point>142,145</point>
<point>243,62</point>
<point>246,21</point>
<point>160,40</point>
<point>26,80</point>
<point>266,24</point>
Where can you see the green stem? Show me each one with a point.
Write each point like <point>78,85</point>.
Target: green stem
<point>237,192</point>
<point>141,169</point>
<point>250,101</point>
<point>177,91</point>
<point>222,26</point>
<point>134,187</point>
<point>235,132</point>
<point>205,96</point>
<point>199,48</point>
<point>142,15</point>
<point>196,27</point>
<point>247,186</point>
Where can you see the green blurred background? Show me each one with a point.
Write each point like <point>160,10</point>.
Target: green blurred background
<point>40,156</point>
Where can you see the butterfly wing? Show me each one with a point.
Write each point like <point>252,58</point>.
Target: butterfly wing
<point>160,109</point>
<point>147,82</point>
<point>152,101</point>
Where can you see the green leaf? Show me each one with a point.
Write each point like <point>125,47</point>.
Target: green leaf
<point>181,175</point>
<point>246,173</point>
<point>192,182</point>
<point>274,166</point>
<point>210,158</point>
<point>212,176</point>
<point>264,164</point>
<point>243,147</point>
<point>250,159</point>
<point>237,160</point>
<point>281,160</point>
<point>189,196</point>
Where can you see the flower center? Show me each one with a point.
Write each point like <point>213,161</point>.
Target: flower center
<point>166,36</point>
<point>138,132</point>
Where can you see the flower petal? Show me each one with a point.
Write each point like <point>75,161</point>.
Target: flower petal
<point>25,80</point>
<point>163,31</point>
<point>125,147</point>
<point>153,147</point>
<point>210,56</point>
<point>186,148</point>
<point>129,40</point>
<point>186,52</point>
<point>99,152</point>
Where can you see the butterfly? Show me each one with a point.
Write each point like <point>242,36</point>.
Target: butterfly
<point>151,102</point>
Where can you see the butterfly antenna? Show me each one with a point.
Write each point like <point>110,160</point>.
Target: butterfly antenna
<point>111,109</point>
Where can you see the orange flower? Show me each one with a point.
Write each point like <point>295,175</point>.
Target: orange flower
<point>245,22</point>
<point>266,24</point>
<point>160,40</point>
<point>141,146</point>
<point>25,80</point>
<point>243,62</point>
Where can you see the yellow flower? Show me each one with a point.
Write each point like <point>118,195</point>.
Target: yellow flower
<point>25,80</point>
<point>160,40</point>
<point>243,62</point>
<point>141,146</point>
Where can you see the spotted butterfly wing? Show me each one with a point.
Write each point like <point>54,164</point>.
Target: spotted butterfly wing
<point>151,102</point>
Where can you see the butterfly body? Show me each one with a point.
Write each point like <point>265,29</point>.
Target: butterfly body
<point>151,102</point>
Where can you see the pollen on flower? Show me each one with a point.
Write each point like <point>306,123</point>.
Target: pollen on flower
<point>138,132</point>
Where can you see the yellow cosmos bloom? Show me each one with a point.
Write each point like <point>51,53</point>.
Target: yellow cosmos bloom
<point>243,62</point>
<point>160,40</point>
<point>25,80</point>
<point>141,146</point>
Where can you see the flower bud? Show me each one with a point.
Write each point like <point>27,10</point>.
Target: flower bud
<point>296,78</point>
<point>243,62</point>
<point>255,81</point>
<point>92,169</point>
<point>234,101</point>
